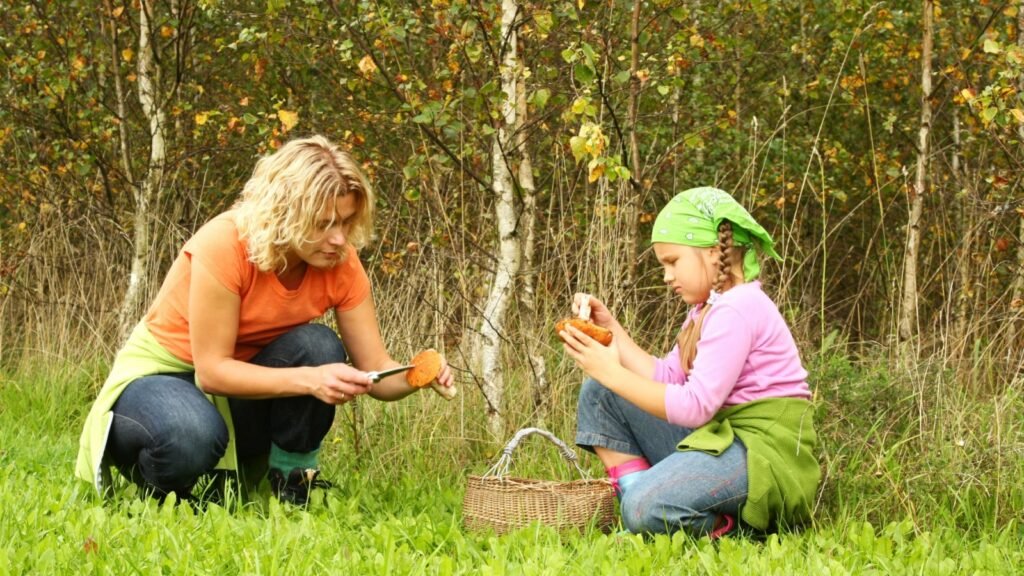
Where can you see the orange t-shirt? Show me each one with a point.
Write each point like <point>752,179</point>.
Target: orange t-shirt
<point>268,309</point>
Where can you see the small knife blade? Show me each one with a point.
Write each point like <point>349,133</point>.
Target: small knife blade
<point>377,375</point>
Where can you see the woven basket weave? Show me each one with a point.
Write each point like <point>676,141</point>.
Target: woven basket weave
<point>503,503</point>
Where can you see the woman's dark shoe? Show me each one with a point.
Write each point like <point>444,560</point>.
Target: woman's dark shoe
<point>295,488</point>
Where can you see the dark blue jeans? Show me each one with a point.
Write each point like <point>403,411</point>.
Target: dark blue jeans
<point>166,434</point>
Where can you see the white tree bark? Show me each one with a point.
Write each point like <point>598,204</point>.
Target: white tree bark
<point>152,107</point>
<point>527,296</point>
<point>122,124</point>
<point>1017,298</point>
<point>509,254</point>
<point>908,302</point>
<point>631,208</point>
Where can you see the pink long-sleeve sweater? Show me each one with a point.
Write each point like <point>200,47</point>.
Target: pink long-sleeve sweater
<point>745,352</point>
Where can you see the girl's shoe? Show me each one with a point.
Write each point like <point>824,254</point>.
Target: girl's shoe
<point>728,526</point>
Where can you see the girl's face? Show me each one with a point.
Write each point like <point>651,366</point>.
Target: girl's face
<point>689,271</point>
<point>325,247</point>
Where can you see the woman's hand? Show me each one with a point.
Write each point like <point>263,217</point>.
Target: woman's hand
<point>339,383</point>
<point>599,361</point>
<point>444,377</point>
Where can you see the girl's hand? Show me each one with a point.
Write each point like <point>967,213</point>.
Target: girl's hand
<point>597,360</point>
<point>599,313</point>
<point>339,383</point>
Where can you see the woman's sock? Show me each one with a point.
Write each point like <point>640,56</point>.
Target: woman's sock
<point>625,474</point>
<point>287,461</point>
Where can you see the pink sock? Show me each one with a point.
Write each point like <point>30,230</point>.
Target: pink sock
<point>625,469</point>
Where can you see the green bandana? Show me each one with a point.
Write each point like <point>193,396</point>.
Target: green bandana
<point>692,219</point>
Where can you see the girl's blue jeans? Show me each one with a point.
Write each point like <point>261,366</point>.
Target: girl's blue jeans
<point>682,490</point>
<point>166,434</point>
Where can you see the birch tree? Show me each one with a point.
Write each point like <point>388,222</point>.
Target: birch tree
<point>909,300</point>
<point>527,296</point>
<point>1017,301</point>
<point>509,249</point>
<point>149,75</point>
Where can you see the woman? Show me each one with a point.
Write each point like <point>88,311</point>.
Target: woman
<point>232,320</point>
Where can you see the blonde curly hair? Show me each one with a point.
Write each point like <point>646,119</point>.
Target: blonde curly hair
<point>288,190</point>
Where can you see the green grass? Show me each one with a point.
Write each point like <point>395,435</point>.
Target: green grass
<point>888,505</point>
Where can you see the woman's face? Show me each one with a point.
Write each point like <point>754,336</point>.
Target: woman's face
<point>325,247</point>
<point>688,270</point>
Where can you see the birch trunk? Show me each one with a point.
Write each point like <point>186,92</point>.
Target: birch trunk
<point>631,214</point>
<point>122,124</point>
<point>509,255</point>
<point>908,303</point>
<point>527,297</point>
<point>966,241</point>
<point>152,107</point>
<point>1017,299</point>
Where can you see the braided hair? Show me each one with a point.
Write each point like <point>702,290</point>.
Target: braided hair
<point>728,256</point>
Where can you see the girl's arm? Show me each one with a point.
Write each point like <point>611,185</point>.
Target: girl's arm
<point>360,332</point>
<point>213,331</point>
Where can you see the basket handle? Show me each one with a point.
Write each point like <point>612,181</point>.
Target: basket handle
<point>500,468</point>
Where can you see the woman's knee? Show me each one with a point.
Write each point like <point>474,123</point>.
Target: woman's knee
<point>190,446</point>
<point>321,344</point>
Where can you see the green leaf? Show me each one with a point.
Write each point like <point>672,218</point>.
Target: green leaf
<point>544,22</point>
<point>663,90</point>
<point>539,99</point>
<point>579,147</point>
<point>992,47</point>
<point>584,73</point>
<point>694,140</point>
<point>621,78</point>
<point>588,51</point>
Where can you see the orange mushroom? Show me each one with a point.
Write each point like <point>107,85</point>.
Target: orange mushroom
<point>426,368</point>
<point>602,335</point>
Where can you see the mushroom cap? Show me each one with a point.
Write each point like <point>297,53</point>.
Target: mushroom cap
<point>426,367</point>
<point>602,335</point>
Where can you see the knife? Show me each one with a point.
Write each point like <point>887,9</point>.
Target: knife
<point>377,375</point>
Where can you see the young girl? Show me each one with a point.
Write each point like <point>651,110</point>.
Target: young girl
<point>232,320</point>
<point>720,430</point>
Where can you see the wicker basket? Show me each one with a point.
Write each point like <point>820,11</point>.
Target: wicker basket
<point>504,503</point>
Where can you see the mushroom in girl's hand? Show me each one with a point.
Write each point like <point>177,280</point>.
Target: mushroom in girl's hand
<point>602,335</point>
<point>426,368</point>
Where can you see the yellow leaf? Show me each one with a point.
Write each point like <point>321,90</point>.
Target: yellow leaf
<point>117,11</point>
<point>367,66</point>
<point>201,118</point>
<point>1018,114</point>
<point>288,119</point>
<point>166,31</point>
<point>127,54</point>
<point>21,227</point>
<point>580,3</point>
<point>596,170</point>
<point>696,40</point>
